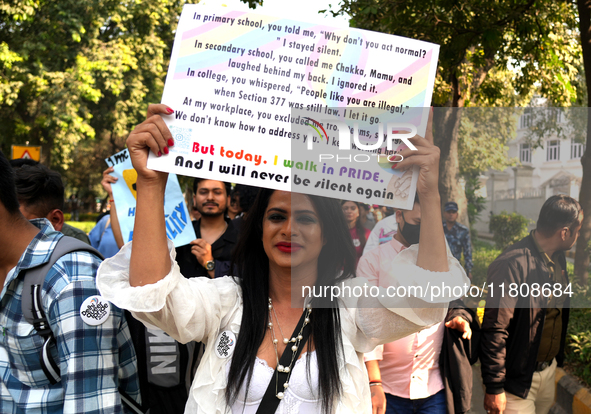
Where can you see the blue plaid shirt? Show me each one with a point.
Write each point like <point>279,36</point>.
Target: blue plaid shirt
<point>458,239</point>
<point>94,360</point>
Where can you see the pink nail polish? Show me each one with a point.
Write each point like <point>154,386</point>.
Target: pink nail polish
<point>169,110</point>
<point>159,154</point>
<point>165,150</point>
<point>170,142</point>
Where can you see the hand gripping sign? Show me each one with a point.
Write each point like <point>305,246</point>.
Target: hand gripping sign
<point>178,221</point>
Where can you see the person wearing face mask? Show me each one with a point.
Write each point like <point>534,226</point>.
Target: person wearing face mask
<point>404,375</point>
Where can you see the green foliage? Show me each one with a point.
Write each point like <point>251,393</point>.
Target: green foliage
<point>578,343</point>
<point>483,254</point>
<point>82,216</point>
<point>84,176</point>
<point>85,226</point>
<point>491,54</point>
<point>537,41</point>
<point>79,70</point>
<point>581,292</point>
<point>561,123</point>
<point>483,137</point>
<point>253,3</point>
<point>476,203</point>
<point>578,337</point>
<point>508,228</point>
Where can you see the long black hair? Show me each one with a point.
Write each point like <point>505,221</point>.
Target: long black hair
<point>335,263</point>
<point>359,227</point>
<point>8,196</point>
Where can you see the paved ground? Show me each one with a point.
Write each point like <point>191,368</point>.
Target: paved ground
<point>477,391</point>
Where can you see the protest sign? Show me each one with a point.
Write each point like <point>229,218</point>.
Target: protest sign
<point>178,221</point>
<point>296,106</point>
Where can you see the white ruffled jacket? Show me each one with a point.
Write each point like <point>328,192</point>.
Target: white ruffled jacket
<point>199,309</point>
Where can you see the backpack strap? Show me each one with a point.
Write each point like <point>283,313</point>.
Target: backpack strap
<point>36,275</point>
<point>32,305</point>
<point>32,308</point>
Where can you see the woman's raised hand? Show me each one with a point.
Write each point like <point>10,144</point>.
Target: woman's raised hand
<point>150,260</point>
<point>151,135</point>
<point>432,253</point>
<point>427,158</point>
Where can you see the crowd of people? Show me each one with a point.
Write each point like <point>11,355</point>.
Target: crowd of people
<point>219,325</point>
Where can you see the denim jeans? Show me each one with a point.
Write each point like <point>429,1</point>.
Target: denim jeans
<point>434,404</point>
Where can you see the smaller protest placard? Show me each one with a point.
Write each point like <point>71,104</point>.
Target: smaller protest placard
<point>178,221</point>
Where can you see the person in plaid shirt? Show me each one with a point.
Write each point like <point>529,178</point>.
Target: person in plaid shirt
<point>94,352</point>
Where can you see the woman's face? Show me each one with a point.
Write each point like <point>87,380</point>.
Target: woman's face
<point>292,232</point>
<point>350,211</point>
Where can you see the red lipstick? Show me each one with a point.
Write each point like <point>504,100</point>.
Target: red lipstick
<point>288,247</point>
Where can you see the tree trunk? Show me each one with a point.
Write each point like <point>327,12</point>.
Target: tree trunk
<point>46,140</point>
<point>46,147</point>
<point>446,126</point>
<point>582,254</point>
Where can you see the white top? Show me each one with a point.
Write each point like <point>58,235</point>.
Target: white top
<point>382,233</point>
<point>301,395</point>
<point>201,309</point>
<point>409,367</point>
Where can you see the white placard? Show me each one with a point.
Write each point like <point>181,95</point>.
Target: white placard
<point>250,91</point>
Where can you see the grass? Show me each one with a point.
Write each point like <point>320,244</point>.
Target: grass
<point>85,226</point>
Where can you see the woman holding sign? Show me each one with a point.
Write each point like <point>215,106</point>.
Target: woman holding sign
<point>294,247</point>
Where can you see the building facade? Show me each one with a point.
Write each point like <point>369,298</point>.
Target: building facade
<point>553,168</point>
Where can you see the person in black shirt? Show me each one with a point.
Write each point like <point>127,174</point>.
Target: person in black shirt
<point>210,253</point>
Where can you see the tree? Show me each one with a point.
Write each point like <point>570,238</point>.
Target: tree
<point>535,41</point>
<point>582,255</point>
<point>73,70</point>
<point>77,75</point>
<point>482,145</point>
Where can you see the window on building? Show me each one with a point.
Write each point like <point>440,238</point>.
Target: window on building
<point>554,115</point>
<point>553,150</point>
<point>526,118</point>
<point>525,153</point>
<point>576,150</point>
